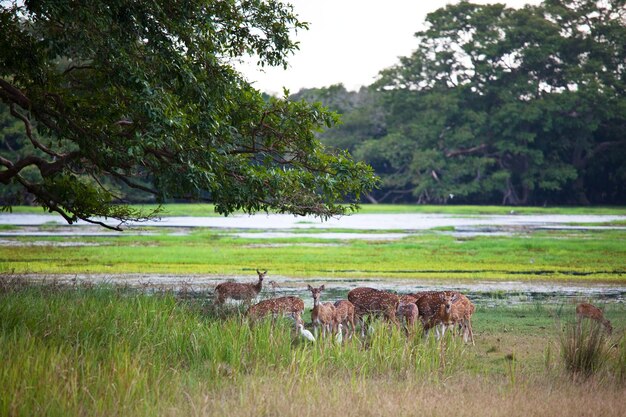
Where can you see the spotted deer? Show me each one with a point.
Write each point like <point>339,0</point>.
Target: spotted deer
<point>443,309</point>
<point>589,311</point>
<point>460,315</point>
<point>372,302</point>
<point>239,291</point>
<point>289,305</point>
<point>323,314</point>
<point>344,315</point>
<point>407,312</point>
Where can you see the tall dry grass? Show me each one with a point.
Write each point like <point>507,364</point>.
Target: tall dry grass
<point>459,396</point>
<point>105,351</point>
<point>585,347</point>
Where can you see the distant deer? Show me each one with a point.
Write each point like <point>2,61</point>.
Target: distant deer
<point>589,311</point>
<point>238,291</point>
<point>407,312</point>
<point>344,315</point>
<point>323,314</point>
<point>372,302</point>
<point>290,305</point>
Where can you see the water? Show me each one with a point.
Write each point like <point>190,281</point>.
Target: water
<point>272,222</point>
<point>482,293</point>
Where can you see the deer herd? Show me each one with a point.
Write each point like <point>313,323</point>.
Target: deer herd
<point>440,310</point>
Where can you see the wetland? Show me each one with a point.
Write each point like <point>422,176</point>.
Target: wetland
<point>96,322</point>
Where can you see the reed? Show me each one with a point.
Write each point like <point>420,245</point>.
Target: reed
<point>584,348</point>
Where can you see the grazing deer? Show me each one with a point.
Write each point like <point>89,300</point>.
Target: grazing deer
<point>290,305</point>
<point>407,312</point>
<point>428,303</point>
<point>238,291</point>
<point>344,315</point>
<point>372,302</point>
<point>589,311</point>
<point>323,314</point>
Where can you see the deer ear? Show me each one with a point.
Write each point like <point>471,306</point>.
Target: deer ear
<point>257,271</point>
<point>309,287</point>
<point>265,272</point>
<point>322,287</point>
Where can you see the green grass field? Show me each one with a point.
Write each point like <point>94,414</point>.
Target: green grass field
<point>108,351</point>
<point>102,351</point>
<point>593,256</point>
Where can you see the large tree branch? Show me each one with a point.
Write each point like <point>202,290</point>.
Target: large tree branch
<point>132,184</point>
<point>45,167</point>
<point>29,132</point>
<point>457,152</point>
<point>13,94</point>
<point>50,202</point>
<point>581,161</point>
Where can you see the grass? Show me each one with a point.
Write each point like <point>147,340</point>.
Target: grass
<point>584,347</point>
<point>590,256</point>
<point>104,351</point>
<point>107,351</point>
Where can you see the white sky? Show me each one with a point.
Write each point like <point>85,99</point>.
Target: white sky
<point>349,42</point>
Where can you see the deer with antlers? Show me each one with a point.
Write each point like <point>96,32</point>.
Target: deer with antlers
<point>591,312</point>
<point>372,302</point>
<point>239,291</point>
<point>323,314</point>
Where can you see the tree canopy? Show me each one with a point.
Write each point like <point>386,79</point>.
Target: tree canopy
<point>501,105</point>
<point>142,95</point>
<point>523,103</point>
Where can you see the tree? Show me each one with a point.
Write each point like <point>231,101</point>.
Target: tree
<point>143,95</point>
<point>522,103</point>
<point>362,116</point>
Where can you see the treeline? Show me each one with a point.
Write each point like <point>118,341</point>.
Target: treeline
<point>497,106</point>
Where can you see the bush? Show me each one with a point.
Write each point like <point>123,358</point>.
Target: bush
<point>584,347</point>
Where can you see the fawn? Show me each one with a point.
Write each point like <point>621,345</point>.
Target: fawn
<point>344,315</point>
<point>323,314</point>
<point>407,312</point>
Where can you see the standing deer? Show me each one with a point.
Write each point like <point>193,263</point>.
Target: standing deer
<point>589,311</point>
<point>407,312</point>
<point>463,309</point>
<point>344,315</point>
<point>442,309</point>
<point>323,314</point>
<point>289,305</point>
<point>372,302</point>
<point>238,291</point>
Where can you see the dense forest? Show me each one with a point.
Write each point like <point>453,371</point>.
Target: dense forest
<point>495,106</point>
